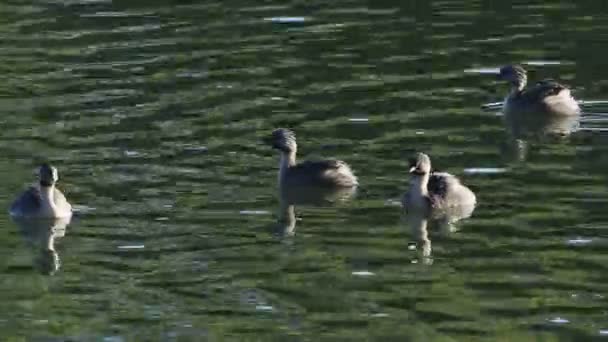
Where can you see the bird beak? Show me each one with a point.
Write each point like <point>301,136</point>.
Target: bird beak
<point>412,169</point>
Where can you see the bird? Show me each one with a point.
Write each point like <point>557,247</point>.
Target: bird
<point>545,97</point>
<point>43,200</point>
<point>430,191</point>
<point>328,173</point>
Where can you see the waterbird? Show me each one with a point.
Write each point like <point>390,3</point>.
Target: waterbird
<point>322,173</point>
<point>430,190</point>
<point>43,200</point>
<point>545,97</point>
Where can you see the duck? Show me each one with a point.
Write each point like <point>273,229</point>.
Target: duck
<point>328,173</point>
<point>431,191</point>
<point>43,200</point>
<point>545,97</point>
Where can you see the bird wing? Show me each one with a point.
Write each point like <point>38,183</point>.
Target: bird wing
<point>438,184</point>
<point>28,201</point>
<point>542,90</point>
<point>322,172</point>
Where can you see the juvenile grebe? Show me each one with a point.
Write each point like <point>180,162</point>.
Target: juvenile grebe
<point>323,173</point>
<point>545,97</point>
<point>434,190</point>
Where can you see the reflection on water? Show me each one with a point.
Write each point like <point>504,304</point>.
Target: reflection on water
<point>443,221</point>
<point>41,235</point>
<point>290,197</point>
<point>524,128</point>
<point>527,126</point>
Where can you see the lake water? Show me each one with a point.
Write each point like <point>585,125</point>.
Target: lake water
<point>155,112</point>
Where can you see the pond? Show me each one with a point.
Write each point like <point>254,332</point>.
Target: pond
<point>155,114</point>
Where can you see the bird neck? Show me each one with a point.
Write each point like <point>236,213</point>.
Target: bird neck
<point>419,193</point>
<point>518,85</point>
<point>420,185</point>
<point>288,159</point>
<point>47,197</point>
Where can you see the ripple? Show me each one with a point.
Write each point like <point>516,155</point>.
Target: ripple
<point>483,71</point>
<point>558,320</point>
<point>592,102</point>
<point>254,212</point>
<point>579,241</point>
<point>492,105</point>
<point>131,247</point>
<point>484,170</point>
<point>83,209</point>
<point>265,308</point>
<point>541,63</point>
<point>287,20</point>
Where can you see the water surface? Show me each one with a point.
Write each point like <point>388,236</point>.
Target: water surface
<point>154,114</point>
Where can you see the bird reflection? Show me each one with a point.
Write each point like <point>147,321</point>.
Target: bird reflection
<point>307,195</point>
<point>526,127</point>
<point>445,220</point>
<point>40,234</point>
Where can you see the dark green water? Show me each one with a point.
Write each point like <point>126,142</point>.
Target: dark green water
<point>154,113</point>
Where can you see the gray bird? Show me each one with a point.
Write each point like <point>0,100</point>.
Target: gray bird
<point>323,173</point>
<point>545,97</point>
